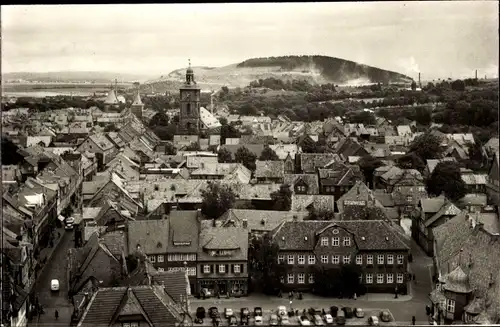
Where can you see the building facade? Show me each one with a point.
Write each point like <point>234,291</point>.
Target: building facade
<point>189,115</point>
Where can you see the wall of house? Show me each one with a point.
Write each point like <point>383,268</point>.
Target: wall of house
<point>384,269</point>
<point>461,300</point>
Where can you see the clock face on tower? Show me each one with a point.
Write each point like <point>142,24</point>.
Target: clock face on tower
<point>187,96</point>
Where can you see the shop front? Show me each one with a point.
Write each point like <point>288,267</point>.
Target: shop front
<point>224,287</point>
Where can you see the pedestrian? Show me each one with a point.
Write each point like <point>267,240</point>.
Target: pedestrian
<point>427,310</point>
<point>413,320</point>
<point>355,296</point>
<point>396,292</point>
<point>56,313</point>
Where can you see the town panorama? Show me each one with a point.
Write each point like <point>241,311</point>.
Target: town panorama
<point>269,190</point>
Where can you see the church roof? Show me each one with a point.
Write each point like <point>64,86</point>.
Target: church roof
<point>137,100</point>
<point>111,98</point>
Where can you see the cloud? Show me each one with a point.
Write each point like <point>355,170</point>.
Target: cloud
<point>408,66</point>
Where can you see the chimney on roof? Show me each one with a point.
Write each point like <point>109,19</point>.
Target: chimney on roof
<point>245,223</point>
<point>295,218</point>
<point>214,223</point>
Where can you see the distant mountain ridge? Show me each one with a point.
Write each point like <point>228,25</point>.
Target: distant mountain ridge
<point>74,76</point>
<point>314,69</point>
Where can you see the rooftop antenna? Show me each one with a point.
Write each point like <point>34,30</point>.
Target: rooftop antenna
<point>476,74</point>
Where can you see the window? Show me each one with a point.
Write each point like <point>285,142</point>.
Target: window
<point>161,258</point>
<point>282,279</point>
<point>335,259</point>
<point>335,241</point>
<point>312,259</point>
<point>369,259</point>
<point>390,259</point>
<point>324,241</point>
<point>346,259</point>
<point>281,258</point>
<point>152,258</point>
<point>161,269</point>
<point>301,189</point>
<point>301,278</point>
<point>390,278</point>
<point>191,271</point>
<point>380,278</point>
<point>409,198</point>
<point>421,188</point>
<point>400,259</point>
<point>222,269</point>
<point>380,259</point>
<point>324,259</point>
<point>369,278</point>
<point>301,259</point>
<point>347,241</point>
<point>206,269</point>
<point>400,279</point>
<point>237,268</point>
<point>290,279</point>
<point>291,260</point>
<point>359,259</point>
<point>311,278</point>
<point>450,306</point>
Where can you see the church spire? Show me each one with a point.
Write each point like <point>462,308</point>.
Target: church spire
<point>189,74</point>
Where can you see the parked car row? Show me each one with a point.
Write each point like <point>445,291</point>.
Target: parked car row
<point>281,317</point>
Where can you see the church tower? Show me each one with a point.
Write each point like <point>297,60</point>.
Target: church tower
<point>137,106</point>
<point>189,116</point>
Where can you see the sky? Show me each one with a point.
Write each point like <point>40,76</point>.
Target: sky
<point>439,39</point>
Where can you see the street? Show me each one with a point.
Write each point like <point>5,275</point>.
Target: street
<point>55,269</point>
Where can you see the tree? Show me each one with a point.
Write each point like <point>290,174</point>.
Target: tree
<point>217,199</point>
<point>268,154</point>
<point>427,146</point>
<point>321,214</point>
<point>159,119</point>
<point>224,156</point>
<point>194,146</point>
<point>368,164</point>
<point>410,161</point>
<point>170,149</point>
<point>282,198</point>
<point>340,280</point>
<point>458,85</point>
<point>263,263</point>
<point>10,156</point>
<point>245,157</point>
<point>413,86</point>
<point>446,178</point>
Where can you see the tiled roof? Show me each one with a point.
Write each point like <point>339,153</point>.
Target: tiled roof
<point>107,302</point>
<point>384,198</point>
<point>432,163</point>
<point>151,235</point>
<point>301,235</point>
<point>309,162</point>
<point>269,169</point>
<point>311,180</point>
<point>115,241</point>
<point>448,209</point>
<point>222,238</point>
<point>254,148</point>
<point>474,179</point>
<point>432,205</point>
<point>197,162</point>
<point>283,150</point>
<point>260,220</point>
<point>102,141</point>
<point>184,227</point>
<point>363,213</point>
<point>175,283</point>
<point>457,281</point>
<point>304,202</point>
<point>359,192</point>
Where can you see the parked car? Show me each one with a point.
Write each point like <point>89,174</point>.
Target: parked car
<point>348,312</point>
<point>213,312</point>
<point>281,310</point>
<point>200,313</point>
<point>273,320</point>
<point>216,320</point>
<point>283,319</point>
<point>198,321</point>
<point>205,293</point>
<point>385,316</point>
<point>244,312</point>
<point>68,223</point>
<point>313,311</point>
<point>340,319</point>
<point>228,312</point>
<point>373,321</point>
<point>304,321</point>
<point>359,313</point>
<point>233,321</point>
<point>318,321</point>
<point>245,320</point>
<point>54,285</point>
<point>258,320</point>
<point>257,311</point>
<point>333,310</point>
<point>328,318</point>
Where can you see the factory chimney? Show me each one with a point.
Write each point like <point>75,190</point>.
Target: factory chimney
<point>476,73</point>
<point>419,82</point>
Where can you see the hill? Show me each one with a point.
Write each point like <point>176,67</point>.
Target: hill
<point>73,77</point>
<point>314,69</point>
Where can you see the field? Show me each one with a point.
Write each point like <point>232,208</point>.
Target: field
<point>53,89</point>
